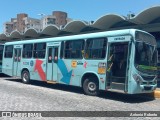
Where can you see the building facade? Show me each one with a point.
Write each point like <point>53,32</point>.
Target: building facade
<point>57,18</point>
<point>48,20</point>
<point>21,24</point>
<point>32,23</point>
<point>61,18</point>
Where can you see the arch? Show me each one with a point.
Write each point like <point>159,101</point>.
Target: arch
<point>31,33</point>
<point>106,21</point>
<point>3,37</point>
<point>75,26</point>
<point>51,30</point>
<point>15,35</point>
<point>147,15</point>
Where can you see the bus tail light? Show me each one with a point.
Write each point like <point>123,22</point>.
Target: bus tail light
<point>101,68</point>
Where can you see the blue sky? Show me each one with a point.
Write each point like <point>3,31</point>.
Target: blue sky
<point>77,9</point>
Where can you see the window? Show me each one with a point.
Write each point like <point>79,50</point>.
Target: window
<point>73,49</point>
<point>8,51</point>
<point>62,50</point>
<point>39,50</point>
<point>27,50</point>
<point>1,53</point>
<point>96,48</point>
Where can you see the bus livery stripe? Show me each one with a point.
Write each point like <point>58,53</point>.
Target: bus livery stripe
<point>39,69</point>
<point>66,75</point>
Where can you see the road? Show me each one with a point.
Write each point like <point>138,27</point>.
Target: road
<point>39,96</point>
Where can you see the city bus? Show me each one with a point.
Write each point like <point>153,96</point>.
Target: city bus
<point>122,61</point>
<point>1,56</point>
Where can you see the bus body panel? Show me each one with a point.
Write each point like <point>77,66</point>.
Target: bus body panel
<point>71,71</point>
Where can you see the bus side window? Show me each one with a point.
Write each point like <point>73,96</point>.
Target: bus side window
<point>96,48</point>
<point>27,50</point>
<point>39,50</point>
<point>73,49</point>
<point>8,51</point>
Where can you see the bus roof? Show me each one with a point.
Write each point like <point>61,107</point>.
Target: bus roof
<point>80,36</point>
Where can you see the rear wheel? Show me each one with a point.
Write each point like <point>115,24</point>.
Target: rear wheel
<point>25,77</point>
<point>90,86</point>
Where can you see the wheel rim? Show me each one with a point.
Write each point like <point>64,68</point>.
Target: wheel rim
<point>25,77</point>
<point>91,86</point>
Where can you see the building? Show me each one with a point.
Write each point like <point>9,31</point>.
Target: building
<point>57,18</point>
<point>32,23</point>
<point>21,24</point>
<point>61,18</point>
<point>48,20</point>
<point>8,27</point>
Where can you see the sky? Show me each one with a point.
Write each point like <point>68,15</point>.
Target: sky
<point>88,10</point>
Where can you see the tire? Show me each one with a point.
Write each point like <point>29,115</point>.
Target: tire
<point>90,87</point>
<point>25,77</point>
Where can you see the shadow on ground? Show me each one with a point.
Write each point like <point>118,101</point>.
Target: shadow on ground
<point>126,98</point>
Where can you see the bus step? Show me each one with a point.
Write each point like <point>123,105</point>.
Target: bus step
<point>115,90</point>
<point>51,82</point>
<point>118,86</point>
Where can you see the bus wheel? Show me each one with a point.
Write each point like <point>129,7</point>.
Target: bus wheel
<point>90,87</point>
<point>25,77</point>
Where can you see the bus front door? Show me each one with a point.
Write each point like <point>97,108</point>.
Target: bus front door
<point>117,70</point>
<point>17,62</point>
<point>52,59</point>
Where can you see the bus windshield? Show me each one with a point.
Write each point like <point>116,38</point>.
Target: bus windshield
<point>1,53</point>
<point>146,57</point>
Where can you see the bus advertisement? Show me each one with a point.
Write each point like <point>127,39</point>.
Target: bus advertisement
<point>123,61</point>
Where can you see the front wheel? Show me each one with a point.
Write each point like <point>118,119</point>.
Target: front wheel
<point>90,87</point>
<point>25,77</point>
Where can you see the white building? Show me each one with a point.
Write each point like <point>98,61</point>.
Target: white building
<point>48,20</point>
<point>32,23</point>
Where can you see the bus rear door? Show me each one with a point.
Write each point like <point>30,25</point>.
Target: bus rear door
<point>52,59</point>
<point>17,60</point>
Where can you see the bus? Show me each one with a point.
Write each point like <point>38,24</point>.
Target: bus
<point>1,56</point>
<point>122,61</point>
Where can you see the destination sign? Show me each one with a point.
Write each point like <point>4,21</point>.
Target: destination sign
<point>119,38</point>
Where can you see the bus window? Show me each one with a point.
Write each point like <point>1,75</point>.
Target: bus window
<point>56,55</point>
<point>8,51</point>
<point>50,55</point>
<point>96,48</point>
<point>73,49</point>
<point>27,50</point>
<point>39,50</point>
<point>1,53</point>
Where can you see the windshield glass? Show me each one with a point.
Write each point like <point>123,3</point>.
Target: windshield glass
<point>145,57</point>
<point>1,53</point>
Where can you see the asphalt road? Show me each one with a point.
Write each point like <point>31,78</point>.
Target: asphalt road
<point>39,96</point>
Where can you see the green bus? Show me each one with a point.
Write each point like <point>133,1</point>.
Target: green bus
<point>121,60</point>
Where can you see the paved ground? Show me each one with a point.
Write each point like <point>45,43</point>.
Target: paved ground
<point>38,96</point>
